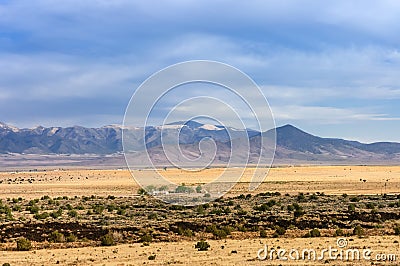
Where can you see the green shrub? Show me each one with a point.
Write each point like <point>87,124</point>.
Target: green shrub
<point>33,202</point>
<point>370,205</point>
<point>355,199</point>
<point>4,209</point>
<point>110,197</point>
<point>313,197</point>
<point>41,216</point>
<point>263,233</point>
<point>56,214</point>
<point>6,264</point>
<point>217,211</point>
<point>202,245</point>
<point>152,216</point>
<point>71,238</point>
<point>351,208</point>
<point>228,229</point>
<point>262,208</point>
<point>298,212</point>
<point>219,232</point>
<point>200,209</point>
<point>241,228</point>
<point>296,206</point>
<point>163,188</point>
<point>339,232</point>
<point>107,240</point>
<point>56,237</point>
<point>199,189</point>
<point>313,233</point>
<point>111,207</point>
<point>23,244</point>
<point>17,208</point>
<point>183,189</point>
<point>301,197</point>
<point>397,230</point>
<point>152,257</point>
<point>358,230</point>
<point>280,230</point>
<point>176,207</point>
<point>46,197</point>
<point>146,238</point>
<point>142,191</point>
<point>98,209</point>
<point>73,213</point>
<point>241,212</point>
<point>121,211</point>
<point>33,209</point>
<point>188,232</point>
<point>185,232</point>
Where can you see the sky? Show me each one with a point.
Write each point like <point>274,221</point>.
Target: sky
<point>331,68</point>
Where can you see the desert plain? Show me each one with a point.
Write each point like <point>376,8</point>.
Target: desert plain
<point>68,215</point>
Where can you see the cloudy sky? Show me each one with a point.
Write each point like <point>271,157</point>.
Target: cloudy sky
<point>331,68</point>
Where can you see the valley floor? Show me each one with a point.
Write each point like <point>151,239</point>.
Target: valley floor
<point>221,252</point>
<point>328,179</point>
<point>360,204</point>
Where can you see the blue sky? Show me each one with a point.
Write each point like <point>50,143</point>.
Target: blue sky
<point>331,68</point>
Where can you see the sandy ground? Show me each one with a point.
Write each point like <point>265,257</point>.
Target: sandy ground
<point>327,179</point>
<point>221,252</point>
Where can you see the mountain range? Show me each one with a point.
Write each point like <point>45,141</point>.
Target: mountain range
<point>292,144</point>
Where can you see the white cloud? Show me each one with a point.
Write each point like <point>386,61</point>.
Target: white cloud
<point>327,115</point>
<point>67,121</point>
<point>56,76</point>
<point>303,95</point>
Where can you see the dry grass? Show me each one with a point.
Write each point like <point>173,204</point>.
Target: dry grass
<point>330,180</point>
<point>327,179</point>
<point>184,253</point>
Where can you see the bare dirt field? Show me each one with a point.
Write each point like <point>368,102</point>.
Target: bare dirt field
<point>66,215</point>
<point>221,252</point>
<point>327,179</point>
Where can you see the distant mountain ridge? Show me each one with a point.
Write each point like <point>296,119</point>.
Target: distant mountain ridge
<point>293,138</point>
<point>292,143</point>
<point>58,140</point>
<point>297,144</point>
